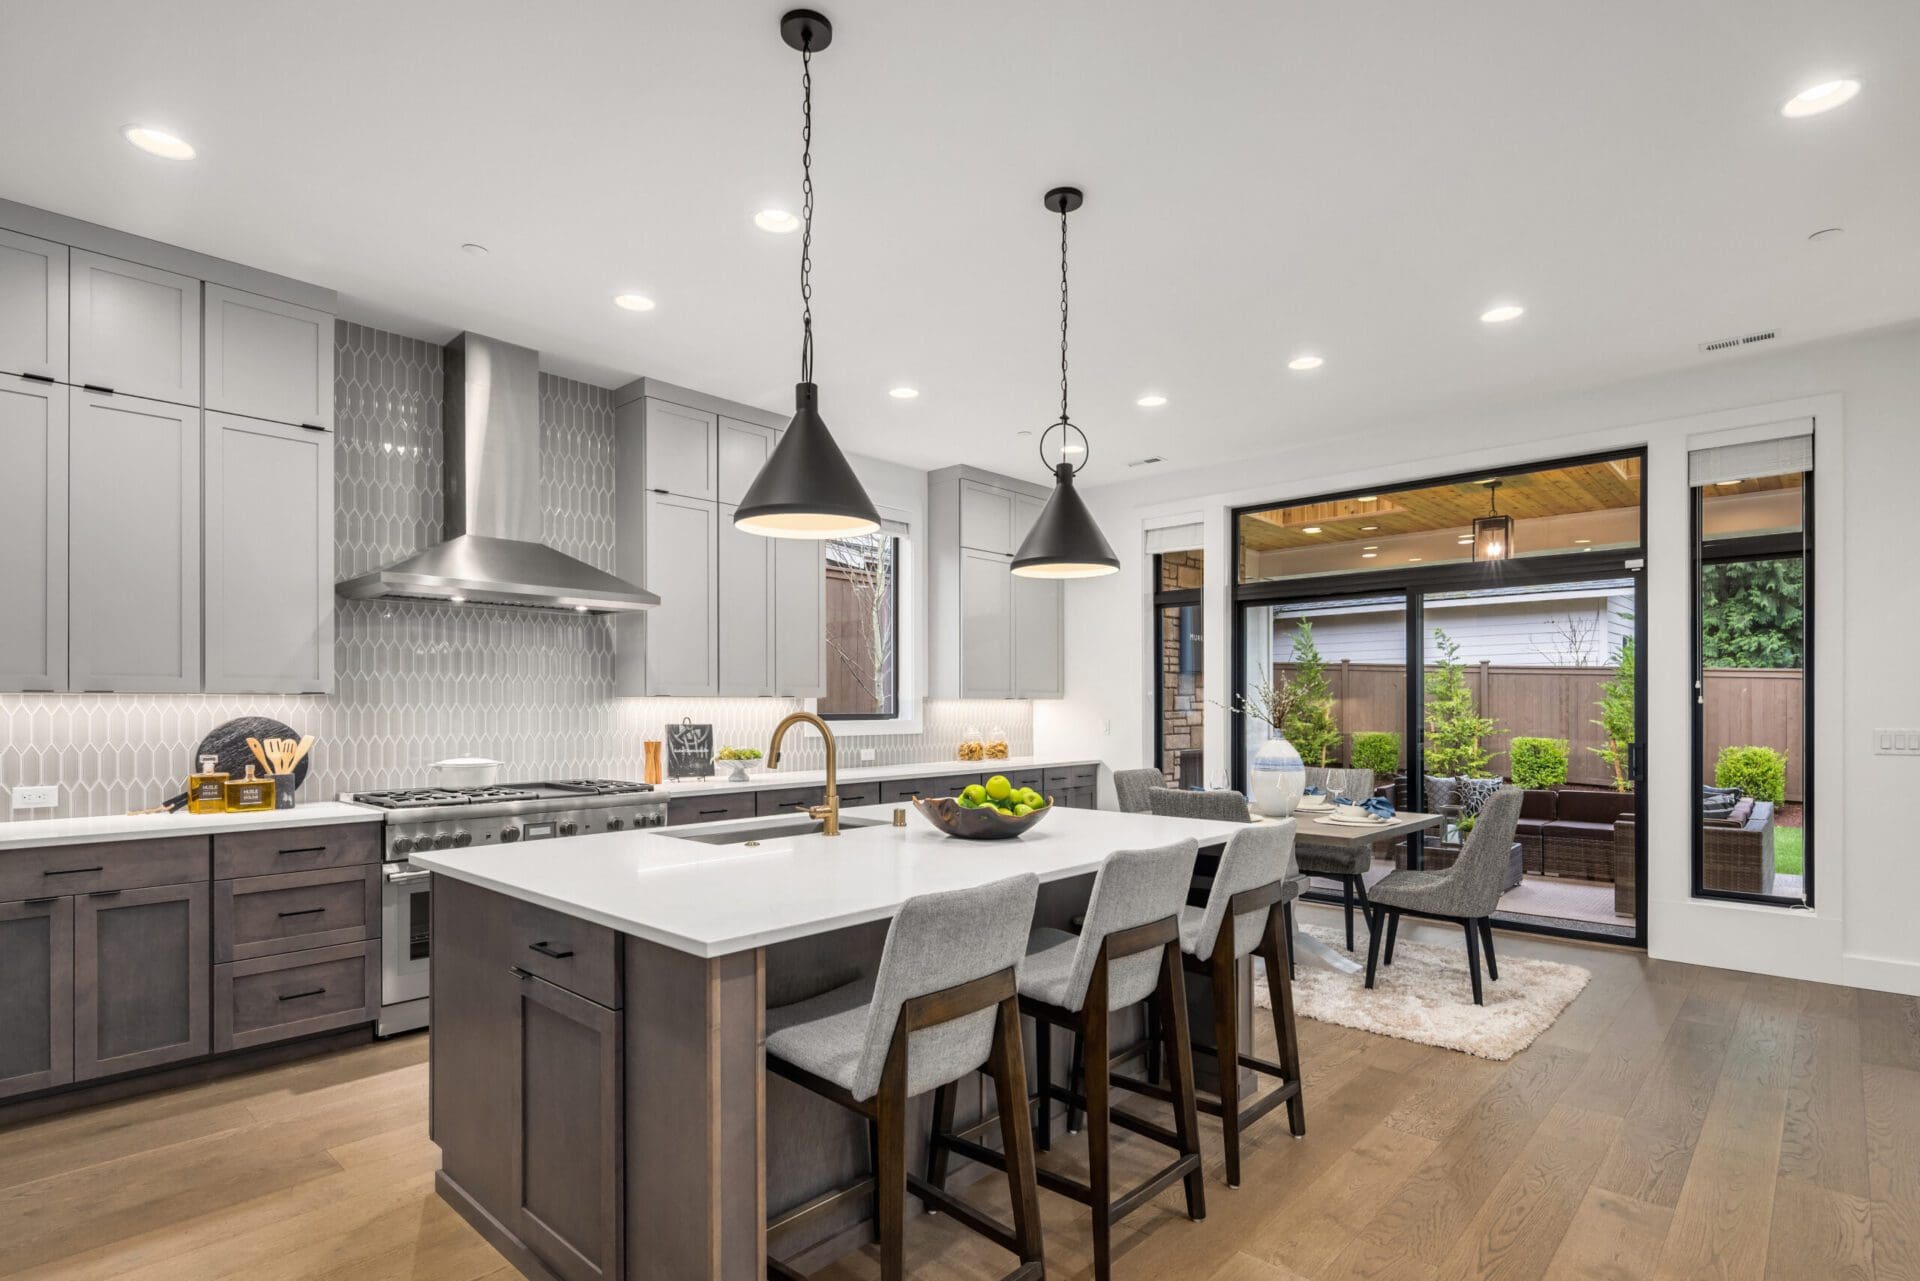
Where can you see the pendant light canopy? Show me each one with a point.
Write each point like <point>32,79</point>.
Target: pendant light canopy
<point>1493,533</point>
<point>1064,542</point>
<point>807,488</point>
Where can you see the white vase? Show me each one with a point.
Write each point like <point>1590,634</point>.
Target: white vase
<point>1278,778</point>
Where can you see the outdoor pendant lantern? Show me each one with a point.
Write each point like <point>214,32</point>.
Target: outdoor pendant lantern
<point>1064,542</point>
<point>806,489</point>
<point>1493,533</point>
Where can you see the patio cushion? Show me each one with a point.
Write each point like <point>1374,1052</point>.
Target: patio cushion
<point>1579,831</point>
<point>1536,806</point>
<point>1472,794</point>
<point>1532,826</point>
<point>1740,813</point>
<point>1716,801</point>
<point>1593,807</point>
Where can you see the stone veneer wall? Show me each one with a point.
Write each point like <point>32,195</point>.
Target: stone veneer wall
<point>420,682</point>
<point>1182,697</point>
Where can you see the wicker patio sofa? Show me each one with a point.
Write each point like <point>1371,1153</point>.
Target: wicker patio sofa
<point>1578,840</point>
<point>1736,853</point>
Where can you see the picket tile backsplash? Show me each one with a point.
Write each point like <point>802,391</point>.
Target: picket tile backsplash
<point>416,681</point>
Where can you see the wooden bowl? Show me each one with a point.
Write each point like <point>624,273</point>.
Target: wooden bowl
<point>983,824</point>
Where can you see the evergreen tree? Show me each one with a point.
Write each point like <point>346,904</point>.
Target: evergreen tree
<point>1616,717</point>
<point>1311,727</point>
<point>1454,729</point>
<point>1752,613</point>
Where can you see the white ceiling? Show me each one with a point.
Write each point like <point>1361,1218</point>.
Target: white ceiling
<point>1360,179</point>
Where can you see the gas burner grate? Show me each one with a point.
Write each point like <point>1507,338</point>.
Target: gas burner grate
<point>600,786</point>
<point>424,797</point>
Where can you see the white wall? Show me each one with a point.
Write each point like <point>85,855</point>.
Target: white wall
<point>1863,394</point>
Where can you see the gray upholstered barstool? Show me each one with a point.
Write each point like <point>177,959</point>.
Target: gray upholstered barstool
<point>1347,864</point>
<point>1256,874</point>
<point>1127,952</point>
<point>942,1004</point>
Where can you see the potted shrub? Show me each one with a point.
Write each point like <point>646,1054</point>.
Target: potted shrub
<point>1539,764</point>
<point>1379,751</point>
<point>1760,772</point>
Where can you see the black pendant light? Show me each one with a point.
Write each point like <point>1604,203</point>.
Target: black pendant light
<point>1493,533</point>
<point>1065,542</point>
<point>807,488</point>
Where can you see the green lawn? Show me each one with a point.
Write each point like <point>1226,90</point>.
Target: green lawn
<point>1787,850</point>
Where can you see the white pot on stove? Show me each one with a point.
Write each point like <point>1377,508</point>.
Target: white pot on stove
<point>464,771</point>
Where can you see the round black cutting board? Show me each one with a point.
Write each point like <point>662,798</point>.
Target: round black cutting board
<point>227,744</point>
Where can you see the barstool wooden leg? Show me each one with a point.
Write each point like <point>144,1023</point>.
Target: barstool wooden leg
<point>1076,1081</point>
<point>1287,915</point>
<point>1223,972</point>
<point>890,1176</point>
<point>1279,963</point>
<point>1096,1049</point>
<point>937,1154</point>
<point>1172,994</point>
<point>1043,1071</point>
<point>1008,1065</point>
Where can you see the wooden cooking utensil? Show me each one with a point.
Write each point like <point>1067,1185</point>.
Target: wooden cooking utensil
<point>259,754</point>
<point>300,752</point>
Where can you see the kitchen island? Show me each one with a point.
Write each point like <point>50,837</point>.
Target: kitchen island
<point>600,1096</point>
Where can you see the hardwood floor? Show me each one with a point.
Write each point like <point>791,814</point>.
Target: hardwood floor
<point>1675,1122</point>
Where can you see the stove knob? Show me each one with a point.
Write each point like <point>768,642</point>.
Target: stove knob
<point>569,829</point>
<point>509,834</point>
<point>444,841</point>
<point>615,824</point>
<point>462,839</point>
<point>403,845</point>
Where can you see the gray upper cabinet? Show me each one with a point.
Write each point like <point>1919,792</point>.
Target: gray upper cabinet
<point>678,446</point>
<point>682,649</point>
<point>142,978</point>
<point>268,359</point>
<point>990,634</point>
<point>269,557</point>
<point>135,330</point>
<point>36,995</point>
<point>743,452</point>
<point>133,498</point>
<point>33,535</point>
<point>799,617</point>
<point>746,608</point>
<point>986,518</point>
<point>33,307</point>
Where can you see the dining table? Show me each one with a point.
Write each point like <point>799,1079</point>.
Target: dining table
<point>1318,825</point>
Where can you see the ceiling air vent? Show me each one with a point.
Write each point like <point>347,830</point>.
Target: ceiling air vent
<point>1145,462</point>
<point>1732,344</point>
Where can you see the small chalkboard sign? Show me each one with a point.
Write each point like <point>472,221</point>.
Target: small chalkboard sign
<point>689,750</point>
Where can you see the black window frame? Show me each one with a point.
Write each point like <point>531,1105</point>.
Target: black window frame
<point>1729,551</point>
<point>1164,599</point>
<point>894,538</point>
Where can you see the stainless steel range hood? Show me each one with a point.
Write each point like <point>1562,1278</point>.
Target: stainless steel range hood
<point>494,553</point>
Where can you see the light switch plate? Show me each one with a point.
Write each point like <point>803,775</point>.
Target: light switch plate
<point>36,798</point>
<point>1896,742</point>
<point>866,755</point>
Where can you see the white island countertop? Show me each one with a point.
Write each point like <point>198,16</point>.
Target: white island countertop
<point>35,832</point>
<point>711,900</point>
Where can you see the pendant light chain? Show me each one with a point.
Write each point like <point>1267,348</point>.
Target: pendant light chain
<point>806,210</point>
<point>1063,323</point>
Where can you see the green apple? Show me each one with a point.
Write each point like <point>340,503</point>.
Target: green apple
<point>999,788</point>
<point>972,795</point>
<point>1022,810</point>
<point>1030,797</point>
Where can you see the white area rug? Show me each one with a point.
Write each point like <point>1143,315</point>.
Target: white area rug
<point>1426,996</point>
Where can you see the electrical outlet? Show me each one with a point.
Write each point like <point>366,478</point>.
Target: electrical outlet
<point>1896,742</point>
<point>866,756</point>
<point>36,798</point>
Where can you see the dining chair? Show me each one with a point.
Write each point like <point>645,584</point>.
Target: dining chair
<point>1132,785</point>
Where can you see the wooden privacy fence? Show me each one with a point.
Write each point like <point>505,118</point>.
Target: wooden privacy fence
<point>1743,705</point>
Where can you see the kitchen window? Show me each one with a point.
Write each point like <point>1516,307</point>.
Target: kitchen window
<point>863,627</point>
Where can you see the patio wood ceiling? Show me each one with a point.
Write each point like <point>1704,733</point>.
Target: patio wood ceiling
<point>1559,491</point>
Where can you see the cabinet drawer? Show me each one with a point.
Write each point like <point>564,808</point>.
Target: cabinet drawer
<point>711,808</point>
<point>783,800</point>
<point>900,790</point>
<point>267,915</point>
<point>276,998</point>
<point>295,849</point>
<point>1069,777</point>
<point>104,865</point>
<point>852,794</point>
<point>577,955</point>
<point>1036,779</point>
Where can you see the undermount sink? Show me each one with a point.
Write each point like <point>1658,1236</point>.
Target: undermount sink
<point>772,829</point>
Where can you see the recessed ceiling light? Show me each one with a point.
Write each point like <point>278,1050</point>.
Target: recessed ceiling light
<point>1501,313</point>
<point>1580,541</point>
<point>1301,364</point>
<point>1464,539</point>
<point>778,221</point>
<point>633,302</point>
<point>904,393</point>
<point>1371,547</point>
<point>1310,529</point>
<point>1726,484</point>
<point>1368,555</point>
<point>1821,97</point>
<point>1368,529</point>
<point>1367,498</point>
<point>158,142</point>
<point>1151,401</point>
<point>1413,560</point>
<point>474,250</point>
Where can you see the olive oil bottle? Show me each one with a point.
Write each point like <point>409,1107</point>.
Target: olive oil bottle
<point>245,795</point>
<point>207,790</point>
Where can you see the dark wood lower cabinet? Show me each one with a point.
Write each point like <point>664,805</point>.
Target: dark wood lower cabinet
<point>709,807</point>
<point>142,963</point>
<point>36,995</point>
<point>568,1128</point>
<point>276,998</point>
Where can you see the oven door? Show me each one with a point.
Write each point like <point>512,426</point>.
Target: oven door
<point>406,917</point>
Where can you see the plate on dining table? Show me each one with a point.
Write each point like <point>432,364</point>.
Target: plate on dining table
<point>1358,819</point>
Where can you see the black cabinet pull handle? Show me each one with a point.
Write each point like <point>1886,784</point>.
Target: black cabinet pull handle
<point>518,973</point>
<point>301,996</point>
<point>305,849</point>
<point>37,902</point>
<point>547,949</point>
<point>96,388</point>
<point>304,911</point>
<point>102,893</point>
<point>37,378</point>
<point>312,427</point>
<point>70,871</point>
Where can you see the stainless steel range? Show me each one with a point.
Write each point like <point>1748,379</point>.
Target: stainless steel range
<point>443,818</point>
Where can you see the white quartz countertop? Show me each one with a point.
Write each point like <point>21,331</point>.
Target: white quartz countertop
<point>711,900</point>
<point>37,832</point>
<point>760,778</point>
